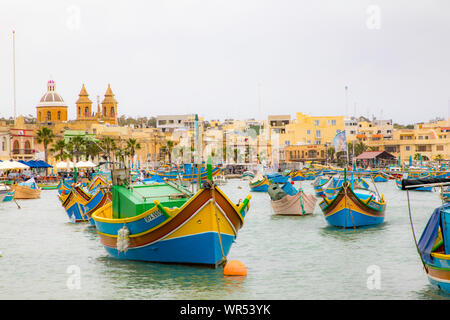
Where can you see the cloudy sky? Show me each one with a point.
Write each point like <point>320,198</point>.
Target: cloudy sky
<point>211,56</point>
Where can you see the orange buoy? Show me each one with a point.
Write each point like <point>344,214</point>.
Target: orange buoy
<point>235,268</point>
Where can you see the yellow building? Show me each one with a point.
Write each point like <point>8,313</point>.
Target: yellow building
<point>51,107</point>
<point>312,130</point>
<point>106,113</point>
<point>429,140</point>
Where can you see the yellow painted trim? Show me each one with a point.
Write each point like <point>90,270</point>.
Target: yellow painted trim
<point>441,256</point>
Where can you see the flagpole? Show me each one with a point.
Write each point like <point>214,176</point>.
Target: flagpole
<point>14,73</point>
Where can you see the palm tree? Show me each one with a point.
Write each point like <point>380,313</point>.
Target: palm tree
<point>330,153</point>
<point>91,150</point>
<point>45,136</point>
<point>417,156</point>
<point>59,149</point>
<point>169,147</point>
<point>109,146</point>
<point>77,146</point>
<point>131,147</point>
<point>438,158</point>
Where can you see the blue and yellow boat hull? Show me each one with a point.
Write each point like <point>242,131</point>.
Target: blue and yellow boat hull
<point>350,210</point>
<point>191,234</point>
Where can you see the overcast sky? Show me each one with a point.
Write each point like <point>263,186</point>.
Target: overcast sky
<point>208,56</point>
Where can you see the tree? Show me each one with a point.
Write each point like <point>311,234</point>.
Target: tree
<point>131,146</point>
<point>45,136</point>
<point>92,150</point>
<point>416,156</point>
<point>109,147</point>
<point>330,153</point>
<point>169,147</point>
<point>77,146</point>
<point>59,150</point>
<point>438,158</point>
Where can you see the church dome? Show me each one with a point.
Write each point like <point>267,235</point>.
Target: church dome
<point>51,98</point>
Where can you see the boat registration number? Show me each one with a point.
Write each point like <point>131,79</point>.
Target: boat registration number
<point>152,216</point>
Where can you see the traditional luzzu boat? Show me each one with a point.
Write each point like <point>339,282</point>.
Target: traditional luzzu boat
<point>434,243</point>
<point>297,176</point>
<point>26,190</point>
<point>79,203</point>
<point>277,177</point>
<point>312,174</point>
<point>248,175</point>
<point>351,207</point>
<point>259,184</point>
<point>9,196</point>
<point>380,177</point>
<point>319,184</point>
<point>166,223</point>
<point>445,194</point>
<point>398,183</point>
<point>4,192</point>
<point>286,200</point>
<point>189,173</point>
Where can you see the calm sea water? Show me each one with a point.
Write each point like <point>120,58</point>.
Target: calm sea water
<point>286,257</point>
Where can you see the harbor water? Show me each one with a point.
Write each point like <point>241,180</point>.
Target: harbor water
<point>44,256</point>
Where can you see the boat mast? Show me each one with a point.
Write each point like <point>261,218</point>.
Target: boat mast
<point>346,116</point>
<point>14,73</point>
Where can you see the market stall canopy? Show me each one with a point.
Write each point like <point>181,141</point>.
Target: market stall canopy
<point>85,164</point>
<point>64,165</point>
<point>41,164</point>
<point>7,165</point>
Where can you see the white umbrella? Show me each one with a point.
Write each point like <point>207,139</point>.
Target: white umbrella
<point>6,165</point>
<point>64,165</point>
<point>85,164</point>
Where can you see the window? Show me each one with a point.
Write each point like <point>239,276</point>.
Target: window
<point>86,112</point>
<point>316,122</point>
<point>49,116</point>
<point>112,112</point>
<point>407,148</point>
<point>439,148</point>
<point>59,115</point>
<point>333,122</point>
<point>16,145</point>
<point>318,134</point>
<point>308,131</point>
<point>420,137</point>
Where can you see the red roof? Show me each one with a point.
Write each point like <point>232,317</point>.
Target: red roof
<point>367,155</point>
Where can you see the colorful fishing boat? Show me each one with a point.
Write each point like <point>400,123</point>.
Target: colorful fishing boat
<point>4,192</point>
<point>286,200</point>
<point>189,173</point>
<point>297,176</point>
<point>319,185</point>
<point>424,188</point>
<point>445,194</point>
<point>277,177</point>
<point>434,243</point>
<point>351,208</point>
<point>248,175</point>
<point>259,184</point>
<point>166,223</point>
<point>380,177</point>
<point>26,190</point>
